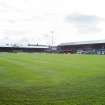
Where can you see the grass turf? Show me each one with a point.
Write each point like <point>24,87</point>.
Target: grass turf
<point>52,79</point>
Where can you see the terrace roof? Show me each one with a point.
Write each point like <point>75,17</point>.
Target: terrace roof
<point>83,42</point>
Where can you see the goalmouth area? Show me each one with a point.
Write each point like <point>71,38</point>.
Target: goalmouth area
<point>52,79</point>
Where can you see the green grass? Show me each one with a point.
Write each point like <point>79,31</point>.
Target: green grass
<point>52,79</point>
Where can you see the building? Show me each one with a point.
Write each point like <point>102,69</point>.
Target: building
<point>83,47</point>
<point>35,48</point>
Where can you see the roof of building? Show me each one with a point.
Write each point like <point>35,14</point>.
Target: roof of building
<point>25,46</point>
<point>83,42</point>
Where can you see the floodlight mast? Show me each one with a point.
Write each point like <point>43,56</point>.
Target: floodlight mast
<point>52,38</point>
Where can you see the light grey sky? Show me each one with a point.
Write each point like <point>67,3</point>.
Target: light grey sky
<point>32,21</point>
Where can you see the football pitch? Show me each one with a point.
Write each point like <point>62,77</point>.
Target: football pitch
<point>52,79</point>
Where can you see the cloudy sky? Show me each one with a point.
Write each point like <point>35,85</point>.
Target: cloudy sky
<point>34,21</point>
